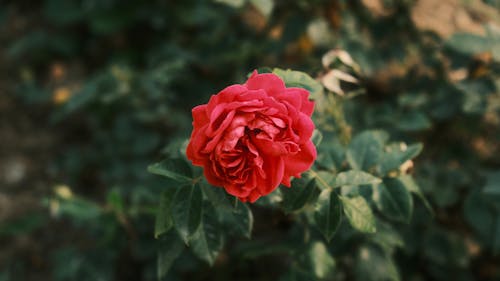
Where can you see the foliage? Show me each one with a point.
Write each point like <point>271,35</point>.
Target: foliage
<point>405,187</point>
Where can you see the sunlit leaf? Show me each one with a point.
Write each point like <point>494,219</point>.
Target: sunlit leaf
<point>354,177</point>
<point>359,214</point>
<point>301,80</point>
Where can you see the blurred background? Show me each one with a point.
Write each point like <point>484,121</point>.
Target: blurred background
<point>91,92</point>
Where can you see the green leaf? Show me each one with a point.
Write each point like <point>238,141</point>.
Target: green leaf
<point>393,200</point>
<point>232,3</point>
<point>387,237</point>
<point>324,179</point>
<point>320,262</point>
<point>496,235</point>
<point>467,43</point>
<point>170,248</point>
<point>317,137</point>
<point>264,6</point>
<point>354,177</point>
<point>242,220</point>
<point>413,121</point>
<point>492,186</point>
<point>331,155</point>
<point>218,196</point>
<point>483,215</point>
<point>208,240</point>
<point>373,264</point>
<point>176,169</point>
<point>115,200</point>
<point>366,149</point>
<point>300,79</point>
<point>238,220</point>
<point>164,221</point>
<point>187,210</point>
<point>359,214</point>
<point>23,225</point>
<point>296,196</point>
<point>412,186</point>
<point>397,154</point>
<point>328,214</point>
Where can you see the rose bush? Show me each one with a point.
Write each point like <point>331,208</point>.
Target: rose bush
<point>249,138</point>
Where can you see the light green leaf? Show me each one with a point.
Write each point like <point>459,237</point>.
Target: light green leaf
<point>366,149</point>
<point>328,214</point>
<point>187,210</point>
<point>232,3</point>
<point>317,137</point>
<point>321,262</point>
<point>324,179</point>
<point>264,6</point>
<point>164,221</point>
<point>393,200</point>
<point>208,240</point>
<point>359,214</point>
<point>175,168</point>
<point>170,248</point>
<point>296,196</point>
<point>354,177</point>
<point>300,79</point>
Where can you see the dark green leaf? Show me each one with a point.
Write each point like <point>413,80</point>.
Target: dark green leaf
<point>412,186</point>
<point>164,217</point>
<point>373,264</point>
<point>366,149</point>
<point>218,196</point>
<point>208,240</point>
<point>176,169</point>
<point>359,214</point>
<point>296,196</point>
<point>242,220</point>
<point>328,214</point>
<point>170,247</point>
<point>492,186</point>
<point>393,200</point>
<point>187,210</point>
<point>397,154</point>
<point>413,121</point>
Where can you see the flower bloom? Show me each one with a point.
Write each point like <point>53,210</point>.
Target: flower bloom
<point>250,138</point>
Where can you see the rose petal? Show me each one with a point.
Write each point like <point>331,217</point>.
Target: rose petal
<point>269,82</point>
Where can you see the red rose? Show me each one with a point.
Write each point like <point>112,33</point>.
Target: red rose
<point>250,138</point>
